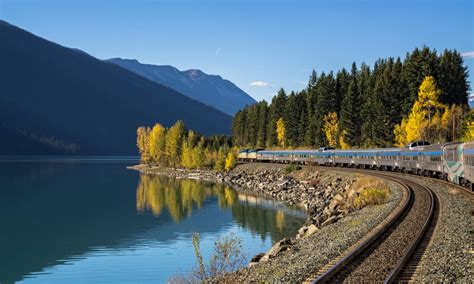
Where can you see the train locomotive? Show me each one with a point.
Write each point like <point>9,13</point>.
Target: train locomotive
<point>451,161</point>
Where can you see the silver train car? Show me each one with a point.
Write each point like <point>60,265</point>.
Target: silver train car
<point>452,161</point>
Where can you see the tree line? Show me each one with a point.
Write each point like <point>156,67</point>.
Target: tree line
<point>179,147</point>
<point>422,97</point>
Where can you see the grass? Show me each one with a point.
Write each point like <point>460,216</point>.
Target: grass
<point>371,191</point>
<point>371,196</point>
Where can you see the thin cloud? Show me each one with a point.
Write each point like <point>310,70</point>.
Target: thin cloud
<point>218,51</point>
<point>468,54</point>
<point>261,84</point>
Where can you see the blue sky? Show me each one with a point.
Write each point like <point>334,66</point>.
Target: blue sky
<point>259,45</point>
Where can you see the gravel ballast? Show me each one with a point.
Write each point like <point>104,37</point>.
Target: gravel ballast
<point>308,254</point>
<point>449,256</point>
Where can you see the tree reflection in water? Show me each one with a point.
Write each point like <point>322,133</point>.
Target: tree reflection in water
<point>181,196</point>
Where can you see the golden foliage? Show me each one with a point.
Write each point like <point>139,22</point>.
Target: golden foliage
<point>281,131</point>
<point>221,159</point>
<point>331,128</point>
<point>371,196</point>
<point>230,161</point>
<point>174,141</point>
<point>143,134</point>
<point>424,120</point>
<point>342,142</point>
<point>469,133</point>
<point>156,143</point>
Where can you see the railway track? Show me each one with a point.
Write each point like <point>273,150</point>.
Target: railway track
<point>392,251</point>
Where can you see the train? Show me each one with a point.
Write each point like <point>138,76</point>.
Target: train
<point>452,161</point>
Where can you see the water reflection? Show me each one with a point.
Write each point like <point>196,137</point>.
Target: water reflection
<point>59,220</point>
<point>180,197</point>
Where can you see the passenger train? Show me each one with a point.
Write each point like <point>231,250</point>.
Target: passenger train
<point>451,161</point>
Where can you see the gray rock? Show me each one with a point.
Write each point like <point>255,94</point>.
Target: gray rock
<point>280,247</point>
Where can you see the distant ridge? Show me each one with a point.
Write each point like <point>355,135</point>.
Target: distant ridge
<point>212,90</point>
<point>58,100</point>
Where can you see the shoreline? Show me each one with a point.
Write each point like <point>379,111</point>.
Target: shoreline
<point>323,194</point>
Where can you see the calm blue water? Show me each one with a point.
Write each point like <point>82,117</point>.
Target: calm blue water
<point>92,220</point>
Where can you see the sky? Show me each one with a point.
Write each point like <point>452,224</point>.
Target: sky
<point>259,45</point>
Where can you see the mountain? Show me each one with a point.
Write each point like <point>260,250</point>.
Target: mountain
<point>209,89</point>
<point>58,100</point>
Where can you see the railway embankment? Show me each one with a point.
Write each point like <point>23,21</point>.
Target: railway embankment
<point>449,255</point>
<point>340,205</point>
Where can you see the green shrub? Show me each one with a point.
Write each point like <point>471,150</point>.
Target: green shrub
<point>291,168</point>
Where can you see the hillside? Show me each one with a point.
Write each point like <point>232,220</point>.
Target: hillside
<point>69,102</point>
<point>212,90</point>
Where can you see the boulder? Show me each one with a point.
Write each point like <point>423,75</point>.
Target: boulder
<point>330,220</point>
<point>312,229</point>
<point>256,259</point>
<point>280,247</point>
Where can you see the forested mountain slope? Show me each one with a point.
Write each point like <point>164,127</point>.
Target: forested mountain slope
<point>65,101</point>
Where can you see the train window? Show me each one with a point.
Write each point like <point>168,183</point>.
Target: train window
<point>469,160</point>
<point>435,158</point>
<point>451,155</point>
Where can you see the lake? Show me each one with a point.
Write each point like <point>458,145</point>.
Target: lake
<point>89,220</point>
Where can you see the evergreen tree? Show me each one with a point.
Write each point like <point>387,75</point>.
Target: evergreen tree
<point>311,102</point>
<point>302,118</point>
<point>291,119</point>
<point>418,65</point>
<point>252,125</point>
<point>350,111</point>
<point>326,96</point>
<point>342,85</point>
<point>453,77</point>
<point>238,125</point>
<point>277,110</point>
<point>262,124</point>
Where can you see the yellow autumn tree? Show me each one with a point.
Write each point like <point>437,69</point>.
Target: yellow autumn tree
<point>230,161</point>
<point>187,160</point>
<point>331,128</point>
<point>342,143</point>
<point>143,135</point>
<point>156,143</point>
<point>219,165</point>
<point>174,141</point>
<point>281,132</point>
<point>198,154</point>
<point>469,133</point>
<point>467,127</point>
<point>425,116</point>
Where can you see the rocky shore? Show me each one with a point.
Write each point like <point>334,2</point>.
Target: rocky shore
<point>333,224</point>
